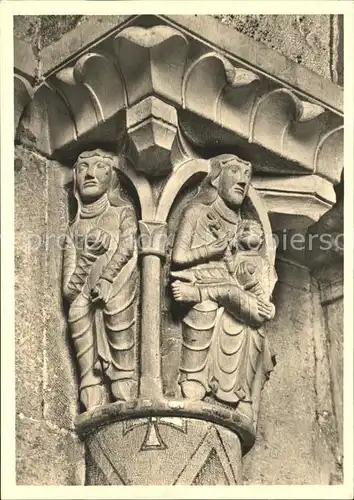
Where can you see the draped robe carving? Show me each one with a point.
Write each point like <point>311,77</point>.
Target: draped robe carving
<point>100,280</point>
<point>228,283</point>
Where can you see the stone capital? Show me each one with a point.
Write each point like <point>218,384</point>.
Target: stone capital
<point>194,154</point>
<point>153,238</point>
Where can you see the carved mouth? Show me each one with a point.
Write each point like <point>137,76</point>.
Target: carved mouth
<point>238,190</point>
<point>90,184</point>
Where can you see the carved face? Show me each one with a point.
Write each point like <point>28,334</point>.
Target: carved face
<point>93,177</point>
<point>234,182</point>
<point>250,235</point>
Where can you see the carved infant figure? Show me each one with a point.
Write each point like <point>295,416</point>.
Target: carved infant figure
<point>243,261</point>
<point>99,281</point>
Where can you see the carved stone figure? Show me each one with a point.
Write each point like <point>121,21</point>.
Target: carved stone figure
<point>227,281</point>
<point>100,279</point>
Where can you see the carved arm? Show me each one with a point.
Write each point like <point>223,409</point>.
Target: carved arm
<point>183,255</point>
<point>242,304</point>
<point>126,245</point>
<point>74,275</point>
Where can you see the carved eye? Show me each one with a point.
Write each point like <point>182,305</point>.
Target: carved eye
<point>99,164</point>
<point>82,167</point>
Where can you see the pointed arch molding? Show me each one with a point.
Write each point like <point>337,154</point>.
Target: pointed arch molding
<point>162,61</point>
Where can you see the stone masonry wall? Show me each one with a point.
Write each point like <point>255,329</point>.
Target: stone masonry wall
<point>315,41</point>
<point>48,451</point>
<point>296,436</point>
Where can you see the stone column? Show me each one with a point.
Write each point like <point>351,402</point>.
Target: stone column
<point>152,249</point>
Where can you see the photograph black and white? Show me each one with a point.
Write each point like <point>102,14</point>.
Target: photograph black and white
<point>178,250</point>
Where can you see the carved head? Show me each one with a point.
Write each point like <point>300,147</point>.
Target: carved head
<point>93,174</point>
<point>250,235</point>
<point>231,176</point>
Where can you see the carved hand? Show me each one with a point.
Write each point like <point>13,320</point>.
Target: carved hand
<point>233,245</point>
<point>218,247</point>
<point>265,309</point>
<point>102,291</point>
<point>245,275</point>
<point>97,242</point>
<point>215,226</point>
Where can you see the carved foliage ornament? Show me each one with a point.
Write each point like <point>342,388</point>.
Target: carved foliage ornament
<point>163,62</point>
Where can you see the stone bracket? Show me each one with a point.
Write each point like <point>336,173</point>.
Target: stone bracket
<point>150,67</point>
<point>152,128</point>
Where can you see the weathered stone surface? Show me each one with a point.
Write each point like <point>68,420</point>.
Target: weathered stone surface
<point>23,93</point>
<point>45,377</point>
<point>327,432</point>
<point>330,280</point>
<point>30,275</point>
<point>60,379</point>
<point>44,30</point>
<point>68,41</point>
<point>288,435</point>
<point>47,455</point>
<point>334,315</point>
<point>306,39</point>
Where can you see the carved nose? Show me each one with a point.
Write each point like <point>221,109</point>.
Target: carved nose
<point>89,175</point>
<point>242,185</point>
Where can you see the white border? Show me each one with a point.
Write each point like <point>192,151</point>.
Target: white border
<point>7,10</point>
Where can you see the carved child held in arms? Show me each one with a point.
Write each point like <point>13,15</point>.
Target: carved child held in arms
<point>99,281</point>
<point>225,280</point>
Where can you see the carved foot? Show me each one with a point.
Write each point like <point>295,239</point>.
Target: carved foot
<point>183,292</point>
<point>93,396</point>
<point>191,389</point>
<point>124,390</point>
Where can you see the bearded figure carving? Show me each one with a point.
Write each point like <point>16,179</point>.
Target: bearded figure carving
<point>100,280</point>
<point>224,276</point>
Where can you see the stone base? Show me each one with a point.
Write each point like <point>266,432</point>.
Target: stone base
<point>163,451</point>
